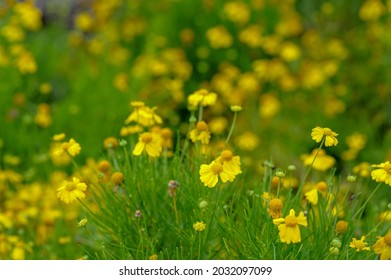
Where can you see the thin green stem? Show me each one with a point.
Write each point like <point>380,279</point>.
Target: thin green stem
<point>232,128</point>
<point>310,168</point>
<point>359,212</point>
<point>200,112</point>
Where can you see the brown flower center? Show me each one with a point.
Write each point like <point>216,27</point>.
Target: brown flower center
<point>70,186</point>
<point>226,155</point>
<point>202,126</point>
<point>146,137</point>
<point>216,168</point>
<point>290,221</point>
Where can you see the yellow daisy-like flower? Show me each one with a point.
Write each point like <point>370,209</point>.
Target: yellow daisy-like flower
<point>359,245</point>
<point>149,142</point>
<point>382,173</point>
<point>72,147</point>
<point>382,247</point>
<point>202,97</point>
<point>199,226</point>
<point>143,115</point>
<point>200,133</point>
<point>312,195</point>
<point>210,173</point>
<point>322,162</point>
<point>290,231</point>
<point>230,162</point>
<point>71,190</point>
<point>318,133</point>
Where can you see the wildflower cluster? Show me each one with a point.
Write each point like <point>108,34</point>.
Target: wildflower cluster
<point>231,137</point>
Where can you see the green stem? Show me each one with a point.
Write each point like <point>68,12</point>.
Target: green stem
<point>200,113</point>
<point>310,168</point>
<point>365,203</point>
<point>199,245</point>
<point>232,128</point>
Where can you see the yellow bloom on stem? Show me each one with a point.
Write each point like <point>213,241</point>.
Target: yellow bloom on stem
<point>275,208</point>
<point>382,247</point>
<point>149,142</point>
<point>290,231</point>
<point>143,115</point>
<point>72,147</point>
<point>71,190</point>
<point>359,245</point>
<point>210,173</point>
<point>382,173</point>
<point>230,162</point>
<point>199,226</point>
<point>200,133</point>
<point>312,195</point>
<point>202,97</point>
<point>318,133</point>
<point>322,162</point>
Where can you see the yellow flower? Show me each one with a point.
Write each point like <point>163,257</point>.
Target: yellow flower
<point>199,226</point>
<point>341,226</point>
<point>143,115</point>
<point>210,173</point>
<point>72,147</point>
<point>202,97</point>
<point>383,173</point>
<point>230,162</point>
<point>82,222</point>
<point>382,247</point>
<point>359,245</point>
<point>322,162</point>
<point>149,142</point>
<point>200,133</point>
<point>71,190</point>
<point>318,133</point>
<point>275,208</point>
<point>58,137</point>
<point>312,195</point>
<point>290,231</point>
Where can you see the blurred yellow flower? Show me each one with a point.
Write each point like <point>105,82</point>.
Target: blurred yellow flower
<point>219,37</point>
<point>202,97</point>
<point>237,12</point>
<point>318,133</point>
<point>275,208</point>
<point>382,173</point>
<point>322,162</point>
<point>71,147</point>
<point>371,10</point>
<point>69,191</point>
<point>382,247</point>
<point>199,226</point>
<point>359,245</point>
<point>288,227</point>
<point>200,133</point>
<point>144,116</point>
<point>150,143</point>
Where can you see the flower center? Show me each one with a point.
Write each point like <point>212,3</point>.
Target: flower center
<point>327,132</point>
<point>146,137</point>
<point>70,187</point>
<point>321,186</point>
<point>387,239</point>
<point>202,126</point>
<point>276,205</point>
<point>290,221</point>
<point>226,155</point>
<point>216,168</point>
<point>359,244</point>
<point>387,168</point>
